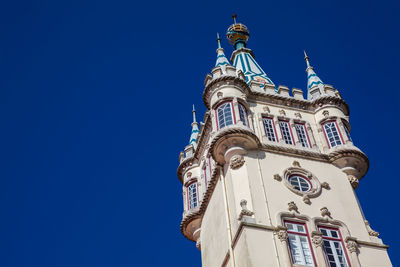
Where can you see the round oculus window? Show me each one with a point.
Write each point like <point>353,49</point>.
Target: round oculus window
<point>300,183</point>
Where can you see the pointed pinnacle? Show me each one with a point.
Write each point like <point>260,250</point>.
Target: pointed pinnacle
<point>306,59</point>
<point>305,55</point>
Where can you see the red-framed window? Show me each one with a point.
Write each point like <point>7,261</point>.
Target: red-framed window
<point>346,130</point>
<point>269,128</point>
<point>299,244</point>
<point>303,134</point>
<point>335,253</point>
<point>225,115</point>
<point>332,134</point>
<point>243,115</point>
<point>192,195</point>
<point>286,131</point>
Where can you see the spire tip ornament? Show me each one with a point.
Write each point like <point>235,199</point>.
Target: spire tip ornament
<point>237,34</point>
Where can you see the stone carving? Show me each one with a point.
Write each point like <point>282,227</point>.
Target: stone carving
<point>245,211</point>
<point>369,229</point>
<point>316,238</point>
<point>296,164</point>
<point>282,112</point>
<point>277,177</point>
<point>220,94</point>
<point>198,244</point>
<point>281,233</point>
<point>351,245</point>
<point>292,207</point>
<point>237,161</point>
<point>298,115</point>
<point>325,185</point>
<point>325,113</point>
<point>266,109</point>
<point>353,181</point>
<point>325,212</point>
<point>189,174</point>
<point>306,199</point>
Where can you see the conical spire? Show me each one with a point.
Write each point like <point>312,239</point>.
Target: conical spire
<point>243,58</point>
<point>315,86</point>
<point>195,130</point>
<point>221,58</point>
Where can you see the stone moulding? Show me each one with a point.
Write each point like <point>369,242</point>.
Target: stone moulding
<point>344,152</point>
<point>237,161</point>
<point>229,132</point>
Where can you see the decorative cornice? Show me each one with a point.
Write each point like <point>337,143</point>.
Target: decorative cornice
<point>290,150</point>
<point>230,130</point>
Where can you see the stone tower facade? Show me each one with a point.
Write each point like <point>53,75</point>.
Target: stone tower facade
<point>269,177</point>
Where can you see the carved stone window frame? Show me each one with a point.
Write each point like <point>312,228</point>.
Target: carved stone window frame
<point>273,117</point>
<point>315,183</point>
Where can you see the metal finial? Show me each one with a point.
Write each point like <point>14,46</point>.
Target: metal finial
<point>218,40</point>
<point>234,16</point>
<point>194,114</point>
<point>305,55</point>
<point>306,59</point>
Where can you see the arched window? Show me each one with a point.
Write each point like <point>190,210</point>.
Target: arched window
<point>192,195</point>
<point>346,127</point>
<point>299,244</point>
<point>243,115</point>
<point>332,134</point>
<point>333,247</point>
<point>225,115</point>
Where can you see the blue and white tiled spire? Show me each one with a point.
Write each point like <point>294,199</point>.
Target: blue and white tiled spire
<point>195,131</point>
<point>315,86</point>
<point>221,58</point>
<point>242,58</point>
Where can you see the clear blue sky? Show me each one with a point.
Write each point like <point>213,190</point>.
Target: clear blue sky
<point>95,107</point>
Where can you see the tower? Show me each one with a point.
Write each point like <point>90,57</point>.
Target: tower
<point>269,178</point>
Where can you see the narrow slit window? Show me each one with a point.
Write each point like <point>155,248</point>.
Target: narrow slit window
<point>192,196</point>
<point>243,115</point>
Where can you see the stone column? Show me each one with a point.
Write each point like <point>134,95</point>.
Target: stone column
<point>311,136</point>
<point>316,239</point>
<point>294,133</point>
<point>278,131</point>
<point>236,111</point>
<point>281,233</point>
<point>352,248</point>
